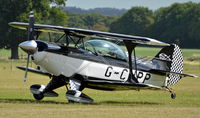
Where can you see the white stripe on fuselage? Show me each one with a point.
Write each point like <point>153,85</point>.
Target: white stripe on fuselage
<point>57,64</point>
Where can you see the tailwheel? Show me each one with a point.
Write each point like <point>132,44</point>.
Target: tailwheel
<point>173,95</point>
<point>38,96</point>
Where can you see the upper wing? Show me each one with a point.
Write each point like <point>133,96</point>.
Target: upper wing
<point>60,29</point>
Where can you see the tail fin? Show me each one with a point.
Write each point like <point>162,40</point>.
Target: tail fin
<point>171,59</point>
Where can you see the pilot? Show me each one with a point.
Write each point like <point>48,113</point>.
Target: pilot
<point>112,54</point>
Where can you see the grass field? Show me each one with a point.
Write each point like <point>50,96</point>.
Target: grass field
<point>140,51</point>
<point>17,101</point>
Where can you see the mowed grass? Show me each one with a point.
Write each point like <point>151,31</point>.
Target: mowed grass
<point>152,51</point>
<point>140,51</point>
<point>17,101</point>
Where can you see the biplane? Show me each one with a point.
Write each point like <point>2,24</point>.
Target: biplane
<point>94,59</point>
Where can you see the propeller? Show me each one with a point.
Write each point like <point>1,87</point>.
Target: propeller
<point>28,44</point>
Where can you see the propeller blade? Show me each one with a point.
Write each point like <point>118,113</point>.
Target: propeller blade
<point>25,76</point>
<point>31,26</point>
<point>30,37</point>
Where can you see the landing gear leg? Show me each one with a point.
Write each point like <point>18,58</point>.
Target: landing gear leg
<point>70,101</point>
<point>75,95</point>
<point>173,95</point>
<point>40,91</point>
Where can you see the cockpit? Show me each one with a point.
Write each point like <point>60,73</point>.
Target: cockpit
<point>105,49</point>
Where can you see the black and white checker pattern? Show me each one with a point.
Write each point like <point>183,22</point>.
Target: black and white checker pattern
<point>176,66</point>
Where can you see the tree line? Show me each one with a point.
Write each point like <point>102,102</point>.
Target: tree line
<point>178,23</point>
<point>93,21</point>
<point>45,11</point>
<point>104,11</point>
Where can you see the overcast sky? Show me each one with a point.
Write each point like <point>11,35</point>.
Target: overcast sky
<point>127,4</point>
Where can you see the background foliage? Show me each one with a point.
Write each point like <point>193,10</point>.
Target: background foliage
<point>18,10</point>
<point>178,23</point>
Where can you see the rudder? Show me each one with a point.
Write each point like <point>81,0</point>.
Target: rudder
<point>172,57</point>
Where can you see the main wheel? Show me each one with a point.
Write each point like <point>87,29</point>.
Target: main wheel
<point>38,96</point>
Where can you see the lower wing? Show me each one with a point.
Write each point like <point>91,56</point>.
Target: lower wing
<point>33,70</point>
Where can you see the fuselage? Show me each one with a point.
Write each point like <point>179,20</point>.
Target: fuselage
<point>97,64</point>
<point>72,61</point>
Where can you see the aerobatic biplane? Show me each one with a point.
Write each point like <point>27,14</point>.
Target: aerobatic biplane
<point>92,59</point>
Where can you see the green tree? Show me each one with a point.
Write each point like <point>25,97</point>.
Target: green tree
<point>76,20</point>
<point>89,21</point>
<point>178,23</point>
<point>100,27</point>
<point>18,10</point>
<point>57,17</point>
<point>136,21</point>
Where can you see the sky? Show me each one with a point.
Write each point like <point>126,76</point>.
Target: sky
<point>126,4</point>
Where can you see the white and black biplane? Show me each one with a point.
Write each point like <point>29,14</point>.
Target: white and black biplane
<point>92,59</point>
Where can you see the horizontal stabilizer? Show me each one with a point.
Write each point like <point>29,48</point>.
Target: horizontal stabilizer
<point>183,75</point>
<point>168,72</point>
<point>32,70</point>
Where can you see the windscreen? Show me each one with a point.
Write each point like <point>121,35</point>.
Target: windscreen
<point>105,48</point>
